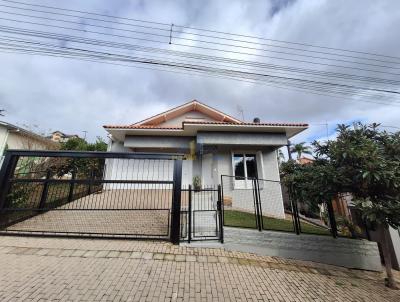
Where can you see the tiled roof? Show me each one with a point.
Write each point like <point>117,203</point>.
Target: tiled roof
<point>205,123</point>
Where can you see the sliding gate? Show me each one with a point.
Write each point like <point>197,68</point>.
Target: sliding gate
<point>95,194</point>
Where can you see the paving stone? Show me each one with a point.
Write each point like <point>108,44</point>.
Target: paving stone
<point>124,254</point>
<point>169,257</point>
<point>136,255</point>
<point>113,254</point>
<point>180,258</point>
<point>158,256</point>
<point>147,256</point>
<point>191,258</point>
<point>101,254</point>
<point>78,253</point>
<point>90,254</point>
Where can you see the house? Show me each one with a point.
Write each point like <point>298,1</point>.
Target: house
<point>60,137</point>
<point>214,144</point>
<point>15,137</point>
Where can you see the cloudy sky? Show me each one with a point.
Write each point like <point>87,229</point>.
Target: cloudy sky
<point>72,96</point>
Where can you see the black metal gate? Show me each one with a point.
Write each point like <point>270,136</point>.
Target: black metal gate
<point>201,214</point>
<point>95,194</point>
<point>249,195</point>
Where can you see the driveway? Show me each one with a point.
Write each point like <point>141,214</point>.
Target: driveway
<point>40,269</point>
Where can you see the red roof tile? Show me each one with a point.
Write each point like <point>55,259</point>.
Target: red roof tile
<point>205,123</point>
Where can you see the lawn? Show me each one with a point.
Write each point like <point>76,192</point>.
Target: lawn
<point>247,220</point>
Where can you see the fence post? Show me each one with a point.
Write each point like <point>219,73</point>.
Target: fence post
<point>176,202</point>
<point>190,214</point>
<point>257,205</point>
<point>45,190</point>
<point>91,176</point>
<point>332,219</point>
<point>220,208</point>
<point>71,187</point>
<point>7,170</point>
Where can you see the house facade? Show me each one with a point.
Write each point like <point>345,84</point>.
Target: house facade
<point>214,144</point>
<point>15,137</point>
<point>60,137</point>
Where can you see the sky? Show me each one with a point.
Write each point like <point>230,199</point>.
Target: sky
<point>49,94</point>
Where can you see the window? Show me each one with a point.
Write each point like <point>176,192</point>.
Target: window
<point>245,165</point>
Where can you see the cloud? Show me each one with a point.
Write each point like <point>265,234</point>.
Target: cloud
<point>72,96</point>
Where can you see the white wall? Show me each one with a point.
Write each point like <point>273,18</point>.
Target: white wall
<point>242,191</point>
<point>139,169</point>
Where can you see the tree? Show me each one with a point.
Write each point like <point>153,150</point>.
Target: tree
<point>310,185</point>
<point>85,167</point>
<point>79,144</point>
<point>300,148</point>
<point>368,163</point>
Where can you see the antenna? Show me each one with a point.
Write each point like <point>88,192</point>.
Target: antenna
<point>241,111</point>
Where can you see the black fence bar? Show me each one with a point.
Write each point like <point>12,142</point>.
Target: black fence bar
<point>176,202</point>
<point>71,187</point>
<point>257,203</point>
<point>189,228</point>
<point>45,191</point>
<point>220,209</point>
<point>7,170</point>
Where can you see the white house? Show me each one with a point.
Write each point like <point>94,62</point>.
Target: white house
<point>214,144</point>
<point>14,137</point>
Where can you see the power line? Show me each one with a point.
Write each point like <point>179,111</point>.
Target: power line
<point>253,71</point>
<point>201,29</point>
<point>187,66</point>
<point>202,41</point>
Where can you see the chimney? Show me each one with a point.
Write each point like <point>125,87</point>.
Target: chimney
<point>256,120</point>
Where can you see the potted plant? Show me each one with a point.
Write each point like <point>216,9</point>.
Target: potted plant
<point>196,183</point>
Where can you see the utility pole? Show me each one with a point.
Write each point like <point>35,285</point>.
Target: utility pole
<point>84,131</point>
<point>2,112</point>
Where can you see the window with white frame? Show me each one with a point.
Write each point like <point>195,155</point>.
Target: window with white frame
<point>244,165</point>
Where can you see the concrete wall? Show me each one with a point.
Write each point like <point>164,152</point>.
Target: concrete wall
<point>351,253</point>
<point>179,143</point>
<point>240,139</point>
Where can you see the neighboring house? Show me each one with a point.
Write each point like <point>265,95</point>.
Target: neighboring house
<point>60,137</point>
<point>14,137</point>
<point>214,144</point>
<point>305,160</point>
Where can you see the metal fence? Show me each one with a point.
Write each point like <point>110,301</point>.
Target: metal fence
<point>258,204</point>
<point>71,193</point>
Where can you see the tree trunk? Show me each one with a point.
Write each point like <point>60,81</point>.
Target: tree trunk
<point>386,256</point>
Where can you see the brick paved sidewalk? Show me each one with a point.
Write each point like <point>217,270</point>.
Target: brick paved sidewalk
<point>39,269</point>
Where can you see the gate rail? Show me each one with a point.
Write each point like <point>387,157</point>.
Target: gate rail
<point>80,182</point>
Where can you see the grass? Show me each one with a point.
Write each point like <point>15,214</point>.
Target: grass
<point>247,220</point>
